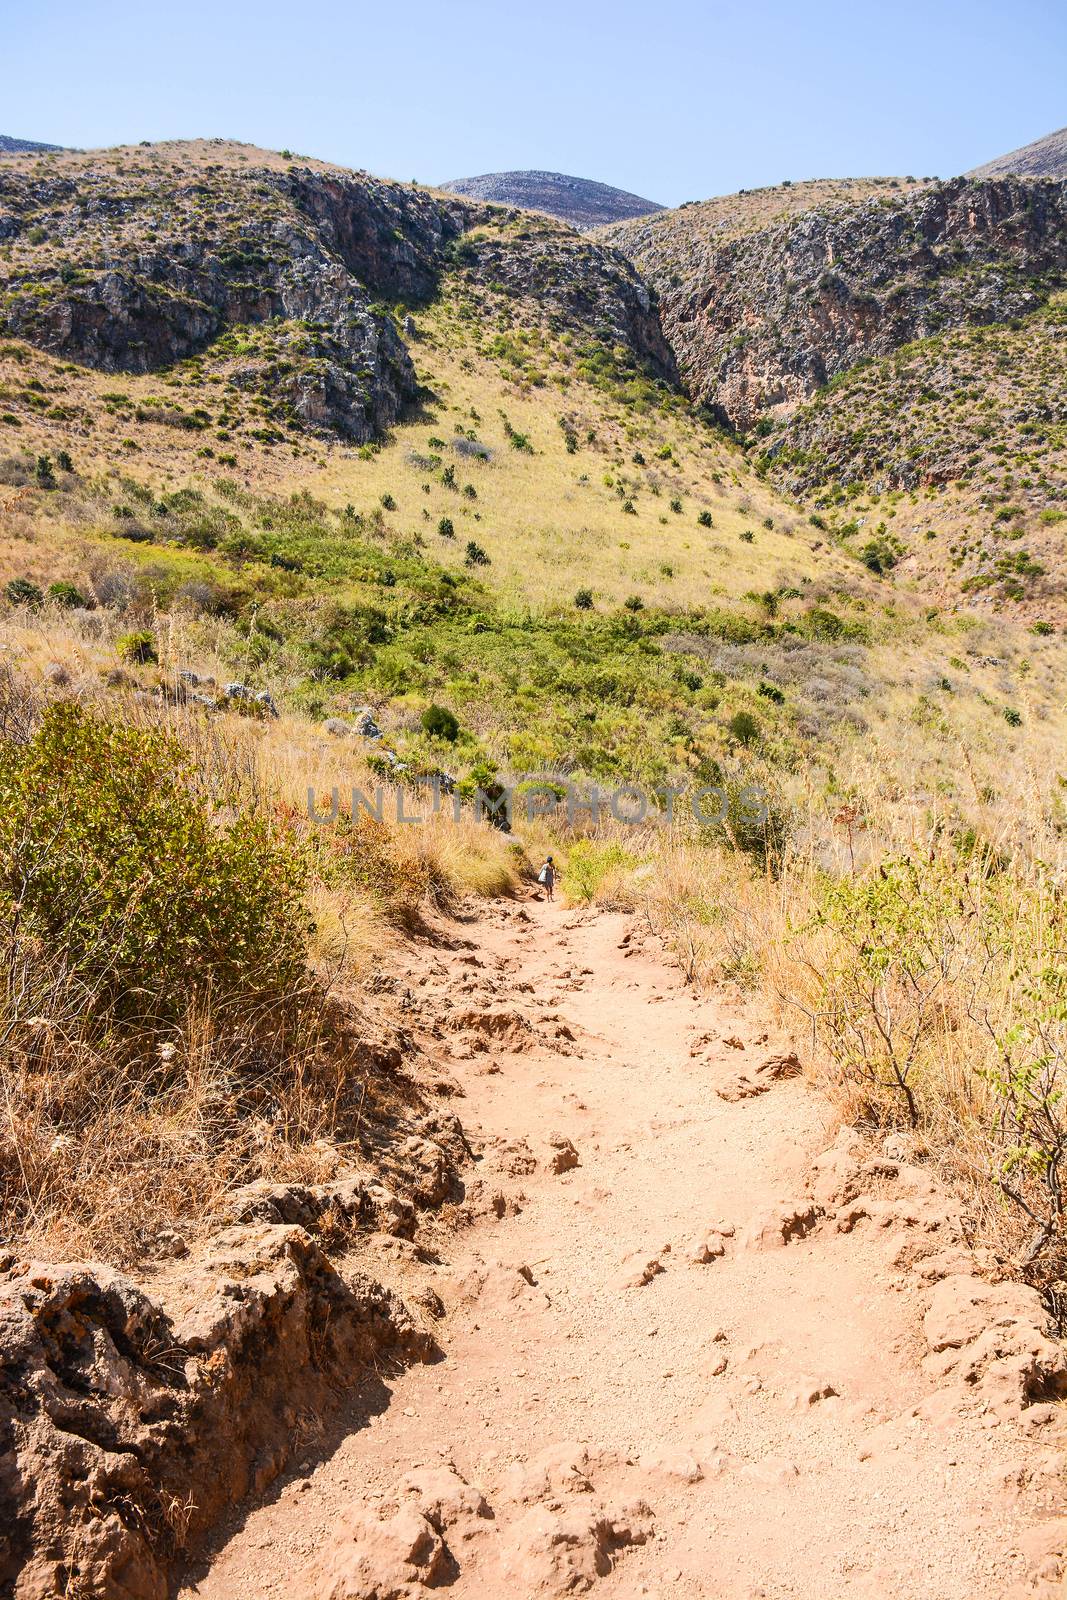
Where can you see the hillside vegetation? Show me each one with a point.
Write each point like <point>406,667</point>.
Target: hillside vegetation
<point>977,421</point>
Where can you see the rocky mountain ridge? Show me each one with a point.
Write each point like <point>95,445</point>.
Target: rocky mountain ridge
<point>135,263</point>
<point>764,318</point>
<point>10,146</point>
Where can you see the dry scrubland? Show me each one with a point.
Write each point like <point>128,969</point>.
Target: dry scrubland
<point>590,579</point>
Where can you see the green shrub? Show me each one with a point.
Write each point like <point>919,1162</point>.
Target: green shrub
<point>634,602</point>
<point>138,647</point>
<point>110,857</point>
<point>583,599</point>
<point>704,519</point>
<point>388,503</point>
<point>476,556</point>
<point>446,529</point>
<point>66,594</point>
<point>440,723</point>
<point>744,727</point>
<point>588,865</point>
<point>21,592</point>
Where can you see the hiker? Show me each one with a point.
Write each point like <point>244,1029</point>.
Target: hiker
<point>547,876</point>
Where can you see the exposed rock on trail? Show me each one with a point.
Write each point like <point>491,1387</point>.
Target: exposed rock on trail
<point>723,1355</point>
<point>130,1422</point>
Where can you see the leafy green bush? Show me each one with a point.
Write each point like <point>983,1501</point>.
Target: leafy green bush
<point>66,594</point>
<point>704,519</point>
<point>583,599</point>
<point>744,727</point>
<point>440,723</point>
<point>446,529</point>
<point>21,592</point>
<point>476,556</point>
<point>110,857</point>
<point>138,647</point>
<point>588,865</point>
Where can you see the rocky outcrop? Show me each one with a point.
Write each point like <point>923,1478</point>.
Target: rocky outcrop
<point>766,317</point>
<point>133,283</point>
<point>572,285</point>
<point>129,1422</point>
<point>135,274</point>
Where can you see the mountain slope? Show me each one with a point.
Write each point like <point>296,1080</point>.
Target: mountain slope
<point>579,201</point>
<point>761,312</point>
<point>128,261</point>
<point>1045,158</point>
<point>947,462</point>
<point>8,145</point>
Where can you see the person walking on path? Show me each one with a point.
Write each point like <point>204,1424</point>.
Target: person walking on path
<point>547,877</point>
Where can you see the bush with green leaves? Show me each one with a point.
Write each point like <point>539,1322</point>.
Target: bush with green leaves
<point>111,857</point>
<point>440,723</point>
<point>476,556</point>
<point>66,594</point>
<point>23,592</point>
<point>138,647</point>
<point>744,727</point>
<point>583,599</point>
<point>589,864</point>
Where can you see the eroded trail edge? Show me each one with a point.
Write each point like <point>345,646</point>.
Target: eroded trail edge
<point>692,1342</point>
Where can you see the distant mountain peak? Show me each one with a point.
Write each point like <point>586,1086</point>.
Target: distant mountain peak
<point>579,201</point>
<point>9,145</point>
<point>1045,158</point>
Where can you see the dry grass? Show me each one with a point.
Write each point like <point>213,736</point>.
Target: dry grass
<point>116,1131</point>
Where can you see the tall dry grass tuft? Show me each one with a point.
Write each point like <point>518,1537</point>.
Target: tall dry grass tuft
<point>921,949</point>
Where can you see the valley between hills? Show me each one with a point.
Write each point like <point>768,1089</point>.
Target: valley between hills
<point>372,1222</point>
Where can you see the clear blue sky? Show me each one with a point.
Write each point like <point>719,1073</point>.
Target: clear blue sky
<point>675,99</point>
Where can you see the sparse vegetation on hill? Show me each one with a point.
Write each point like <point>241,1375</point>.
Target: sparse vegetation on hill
<point>972,425</point>
<point>1044,158</point>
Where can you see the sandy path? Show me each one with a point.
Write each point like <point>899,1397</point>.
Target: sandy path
<point>761,1405</point>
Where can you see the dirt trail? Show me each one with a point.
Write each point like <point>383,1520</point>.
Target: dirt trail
<point>738,1426</point>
